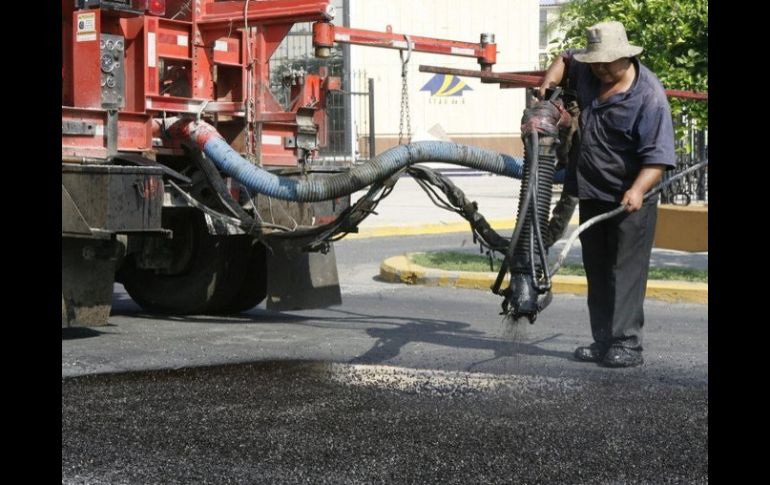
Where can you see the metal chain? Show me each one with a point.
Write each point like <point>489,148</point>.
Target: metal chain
<point>405,92</point>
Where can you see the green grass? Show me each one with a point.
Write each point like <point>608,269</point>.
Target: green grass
<point>451,261</point>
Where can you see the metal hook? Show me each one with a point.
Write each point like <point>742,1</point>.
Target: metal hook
<point>409,50</point>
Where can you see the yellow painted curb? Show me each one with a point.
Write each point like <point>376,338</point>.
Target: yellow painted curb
<point>399,269</point>
<point>385,231</point>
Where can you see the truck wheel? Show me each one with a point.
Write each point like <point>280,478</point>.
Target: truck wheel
<point>253,288</point>
<point>206,274</point>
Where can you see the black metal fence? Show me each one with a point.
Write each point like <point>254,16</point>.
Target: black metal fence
<point>349,117</point>
<point>692,188</point>
<point>295,55</point>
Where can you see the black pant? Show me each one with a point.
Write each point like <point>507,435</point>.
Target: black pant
<point>616,257</point>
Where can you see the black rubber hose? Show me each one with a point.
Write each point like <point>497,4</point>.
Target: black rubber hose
<point>524,197</point>
<point>544,181</point>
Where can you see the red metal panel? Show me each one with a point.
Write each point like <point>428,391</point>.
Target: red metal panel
<point>202,80</point>
<point>84,146</point>
<point>227,50</point>
<point>86,72</point>
<point>224,44</point>
<point>308,94</point>
<point>278,117</point>
<point>274,35</point>
<point>83,152</point>
<point>67,40</point>
<point>133,31</point>
<point>134,132</point>
<point>173,40</point>
<point>264,12</point>
<point>273,140</point>
<point>172,104</point>
<point>186,105</point>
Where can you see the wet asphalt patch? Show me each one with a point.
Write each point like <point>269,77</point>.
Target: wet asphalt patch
<point>309,422</point>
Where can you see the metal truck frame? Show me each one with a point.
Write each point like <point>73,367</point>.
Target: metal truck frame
<point>139,206</point>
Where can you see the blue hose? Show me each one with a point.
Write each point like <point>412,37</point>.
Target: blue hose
<point>384,165</point>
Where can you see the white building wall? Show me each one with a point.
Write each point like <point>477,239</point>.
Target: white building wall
<point>484,112</point>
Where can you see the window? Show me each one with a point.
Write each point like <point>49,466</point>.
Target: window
<point>543,28</point>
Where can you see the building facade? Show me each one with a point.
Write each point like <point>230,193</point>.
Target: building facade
<point>462,110</point>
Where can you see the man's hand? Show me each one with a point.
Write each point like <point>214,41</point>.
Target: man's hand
<point>647,178</point>
<point>545,86</point>
<point>632,199</point>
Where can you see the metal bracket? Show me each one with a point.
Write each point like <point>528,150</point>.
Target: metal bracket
<point>306,129</point>
<point>112,132</point>
<point>78,128</point>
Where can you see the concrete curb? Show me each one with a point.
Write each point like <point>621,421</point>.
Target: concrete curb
<point>423,229</point>
<point>399,269</point>
<point>440,228</point>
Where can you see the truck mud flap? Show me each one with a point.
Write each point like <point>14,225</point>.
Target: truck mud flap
<point>301,281</point>
<point>88,269</point>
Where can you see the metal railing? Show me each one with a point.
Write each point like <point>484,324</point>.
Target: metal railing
<point>692,188</point>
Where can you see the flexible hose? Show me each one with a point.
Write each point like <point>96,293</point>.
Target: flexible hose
<point>542,200</point>
<point>382,166</point>
<point>526,258</point>
<point>524,197</point>
<point>618,210</point>
<point>535,207</point>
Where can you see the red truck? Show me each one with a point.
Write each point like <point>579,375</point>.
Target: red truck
<point>144,207</point>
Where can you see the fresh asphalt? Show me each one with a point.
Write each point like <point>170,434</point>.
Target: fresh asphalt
<point>310,422</point>
<point>400,384</point>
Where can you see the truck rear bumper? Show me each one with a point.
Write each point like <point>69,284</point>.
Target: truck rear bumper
<point>105,198</point>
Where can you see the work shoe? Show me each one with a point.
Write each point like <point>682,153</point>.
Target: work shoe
<point>592,353</point>
<point>622,357</point>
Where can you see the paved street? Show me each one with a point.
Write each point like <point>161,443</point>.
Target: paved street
<point>399,384</point>
<point>309,422</point>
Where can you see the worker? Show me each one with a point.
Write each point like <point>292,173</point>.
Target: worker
<point>625,142</point>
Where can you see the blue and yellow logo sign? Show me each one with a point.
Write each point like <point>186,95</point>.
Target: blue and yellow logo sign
<point>444,85</point>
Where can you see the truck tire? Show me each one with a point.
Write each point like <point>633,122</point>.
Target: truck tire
<point>208,276</point>
<point>253,288</point>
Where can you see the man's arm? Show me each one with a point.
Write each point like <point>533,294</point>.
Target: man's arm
<point>648,177</point>
<point>554,75</point>
<point>655,149</point>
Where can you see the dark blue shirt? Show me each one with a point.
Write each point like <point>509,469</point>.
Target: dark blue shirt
<point>619,135</point>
